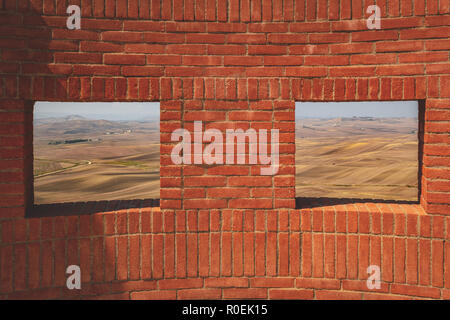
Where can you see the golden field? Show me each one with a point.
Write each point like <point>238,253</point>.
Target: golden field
<point>79,160</point>
<point>114,165</point>
<point>357,158</point>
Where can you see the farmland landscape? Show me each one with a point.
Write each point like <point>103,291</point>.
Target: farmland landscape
<point>357,157</point>
<point>80,159</point>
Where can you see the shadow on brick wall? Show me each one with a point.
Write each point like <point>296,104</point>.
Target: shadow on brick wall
<point>36,248</point>
<point>45,77</point>
<point>90,207</point>
<point>309,203</point>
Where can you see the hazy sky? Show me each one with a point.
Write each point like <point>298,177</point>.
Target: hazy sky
<point>383,109</point>
<point>98,110</point>
<point>146,110</point>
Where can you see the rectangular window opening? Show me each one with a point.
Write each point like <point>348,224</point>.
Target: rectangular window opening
<point>103,156</point>
<point>348,152</point>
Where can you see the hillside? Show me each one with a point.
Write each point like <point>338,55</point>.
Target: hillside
<point>79,159</point>
<point>357,158</point>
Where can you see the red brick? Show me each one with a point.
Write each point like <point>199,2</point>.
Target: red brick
<point>437,267</point>
<point>6,268</point>
<point>357,285</point>
<point>127,59</point>
<point>425,292</point>
<point>290,294</point>
<point>77,57</point>
<point>272,282</point>
<point>424,33</point>
<point>250,293</point>
<point>411,261</point>
<point>199,294</point>
<point>154,295</point>
<point>337,295</point>
<point>180,283</point>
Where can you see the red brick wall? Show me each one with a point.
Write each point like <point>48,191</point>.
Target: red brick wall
<point>225,231</point>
